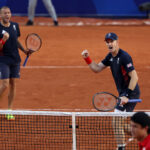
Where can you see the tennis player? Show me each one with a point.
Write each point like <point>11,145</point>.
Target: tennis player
<point>140,129</point>
<point>124,74</point>
<point>9,56</point>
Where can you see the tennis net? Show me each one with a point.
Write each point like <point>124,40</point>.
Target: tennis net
<point>48,130</point>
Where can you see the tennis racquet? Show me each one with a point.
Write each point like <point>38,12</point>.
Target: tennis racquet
<point>33,43</point>
<point>105,101</point>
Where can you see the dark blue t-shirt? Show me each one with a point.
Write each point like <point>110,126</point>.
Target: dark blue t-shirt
<point>120,66</point>
<point>10,54</point>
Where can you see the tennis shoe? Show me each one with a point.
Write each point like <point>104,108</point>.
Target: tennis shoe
<point>29,23</point>
<point>10,117</point>
<point>121,148</point>
<point>55,23</point>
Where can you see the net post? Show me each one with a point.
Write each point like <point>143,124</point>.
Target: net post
<point>73,131</point>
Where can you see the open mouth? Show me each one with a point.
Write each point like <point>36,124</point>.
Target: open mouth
<point>110,47</point>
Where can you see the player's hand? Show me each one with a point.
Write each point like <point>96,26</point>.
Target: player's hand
<point>124,100</point>
<point>5,36</point>
<point>29,52</point>
<point>85,53</point>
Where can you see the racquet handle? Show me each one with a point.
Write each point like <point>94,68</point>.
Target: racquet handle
<point>134,100</point>
<point>24,64</point>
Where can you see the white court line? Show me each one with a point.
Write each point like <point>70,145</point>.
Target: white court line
<point>78,110</point>
<point>100,23</point>
<point>60,67</point>
<point>53,67</point>
<point>148,67</point>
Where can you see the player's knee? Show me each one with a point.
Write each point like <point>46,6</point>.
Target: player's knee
<point>5,84</point>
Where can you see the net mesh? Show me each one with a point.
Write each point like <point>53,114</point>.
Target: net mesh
<point>43,130</point>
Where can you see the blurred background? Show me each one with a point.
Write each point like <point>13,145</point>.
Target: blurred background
<point>86,8</point>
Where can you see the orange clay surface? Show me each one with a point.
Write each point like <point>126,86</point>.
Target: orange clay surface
<point>62,79</point>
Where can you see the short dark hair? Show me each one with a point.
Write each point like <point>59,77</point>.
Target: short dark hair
<point>141,118</point>
<point>4,7</point>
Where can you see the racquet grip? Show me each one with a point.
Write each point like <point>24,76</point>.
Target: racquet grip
<point>134,100</point>
<point>24,64</point>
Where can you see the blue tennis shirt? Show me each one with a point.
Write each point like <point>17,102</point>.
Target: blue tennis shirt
<point>120,66</point>
<point>10,54</point>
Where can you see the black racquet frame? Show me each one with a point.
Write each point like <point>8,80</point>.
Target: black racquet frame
<point>35,34</point>
<point>117,101</point>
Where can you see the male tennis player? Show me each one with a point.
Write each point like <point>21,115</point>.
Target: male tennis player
<point>140,129</point>
<point>124,74</point>
<point>9,55</point>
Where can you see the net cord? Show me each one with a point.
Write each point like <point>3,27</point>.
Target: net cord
<point>56,113</point>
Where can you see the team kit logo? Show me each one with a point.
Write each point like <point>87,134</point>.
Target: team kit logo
<point>129,65</point>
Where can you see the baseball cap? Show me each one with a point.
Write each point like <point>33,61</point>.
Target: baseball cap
<point>111,36</point>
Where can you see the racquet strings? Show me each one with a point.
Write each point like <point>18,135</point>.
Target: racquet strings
<point>104,102</point>
<point>33,42</point>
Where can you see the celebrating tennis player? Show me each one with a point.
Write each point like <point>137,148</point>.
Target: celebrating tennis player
<point>124,74</point>
<point>9,55</point>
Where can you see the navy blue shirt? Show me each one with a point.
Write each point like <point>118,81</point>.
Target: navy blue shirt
<point>120,66</point>
<point>10,54</point>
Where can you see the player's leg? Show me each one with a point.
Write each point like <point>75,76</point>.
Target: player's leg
<point>31,11</point>
<point>11,96</point>
<point>3,87</point>
<point>118,127</point>
<point>12,91</point>
<point>51,10</point>
<point>4,77</point>
<point>14,73</point>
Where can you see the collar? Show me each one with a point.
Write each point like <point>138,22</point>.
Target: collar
<point>4,25</point>
<point>116,54</point>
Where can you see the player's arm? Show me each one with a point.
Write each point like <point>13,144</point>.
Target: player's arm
<point>128,64</point>
<point>133,81</point>
<point>4,39</point>
<point>97,67</point>
<point>27,52</point>
<point>21,47</point>
<point>131,87</point>
<point>93,66</point>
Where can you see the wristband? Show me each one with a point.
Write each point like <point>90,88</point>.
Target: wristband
<point>128,92</point>
<point>2,41</point>
<point>88,60</point>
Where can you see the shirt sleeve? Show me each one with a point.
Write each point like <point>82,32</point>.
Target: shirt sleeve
<point>127,63</point>
<point>18,30</point>
<point>1,36</point>
<point>106,60</point>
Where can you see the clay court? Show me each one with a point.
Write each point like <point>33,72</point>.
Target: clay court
<point>57,78</point>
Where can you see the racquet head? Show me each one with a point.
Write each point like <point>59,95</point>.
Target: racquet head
<point>104,101</point>
<point>33,42</point>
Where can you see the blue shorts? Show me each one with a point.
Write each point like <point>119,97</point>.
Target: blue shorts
<point>9,71</point>
<point>129,107</point>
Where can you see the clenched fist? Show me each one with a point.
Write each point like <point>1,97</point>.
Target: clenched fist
<point>5,36</point>
<point>85,53</point>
